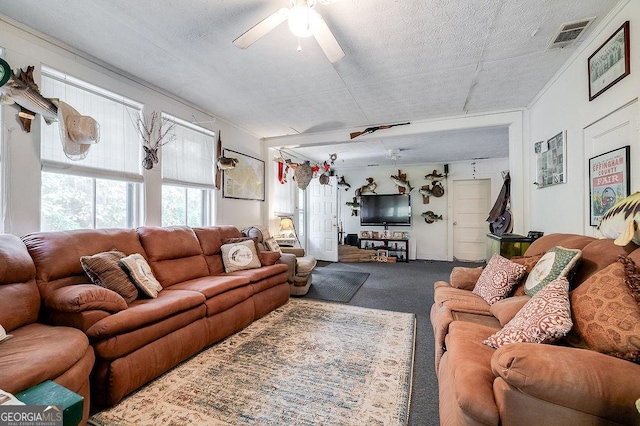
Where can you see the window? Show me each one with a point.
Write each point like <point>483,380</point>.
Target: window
<point>103,189</point>
<point>187,174</point>
<point>184,206</point>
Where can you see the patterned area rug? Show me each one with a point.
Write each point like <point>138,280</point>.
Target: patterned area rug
<point>306,363</point>
<point>335,286</point>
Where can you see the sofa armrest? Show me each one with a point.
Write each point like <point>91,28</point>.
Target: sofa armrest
<point>464,278</point>
<point>297,251</point>
<point>579,379</point>
<point>84,297</point>
<point>289,260</point>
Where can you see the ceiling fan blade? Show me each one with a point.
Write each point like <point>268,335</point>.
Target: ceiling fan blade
<point>261,28</point>
<point>328,42</point>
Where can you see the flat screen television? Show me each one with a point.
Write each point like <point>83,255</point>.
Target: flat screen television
<point>385,210</point>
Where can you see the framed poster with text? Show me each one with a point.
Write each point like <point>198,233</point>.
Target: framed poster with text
<point>608,181</point>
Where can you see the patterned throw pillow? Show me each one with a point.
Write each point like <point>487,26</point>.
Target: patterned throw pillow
<point>528,262</point>
<point>240,256</point>
<point>545,318</point>
<point>556,263</point>
<point>104,270</point>
<point>272,244</point>
<point>606,311</point>
<point>498,278</point>
<point>141,274</point>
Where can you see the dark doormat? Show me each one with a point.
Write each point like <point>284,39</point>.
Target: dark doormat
<point>335,286</point>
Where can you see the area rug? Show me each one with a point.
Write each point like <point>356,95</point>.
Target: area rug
<point>306,363</point>
<point>335,286</point>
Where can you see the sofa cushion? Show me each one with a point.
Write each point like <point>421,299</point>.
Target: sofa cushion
<point>174,253</point>
<point>37,353</point>
<point>104,269</point>
<point>606,313</point>
<point>556,263</point>
<point>460,300</point>
<point>211,286</point>
<point>505,309</point>
<point>268,258</point>
<point>240,256</point>
<point>498,278</point>
<point>210,239</point>
<point>545,318</point>
<point>464,278</point>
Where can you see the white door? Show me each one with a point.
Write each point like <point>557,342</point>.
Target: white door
<point>322,216</point>
<point>616,130</point>
<point>471,205</point>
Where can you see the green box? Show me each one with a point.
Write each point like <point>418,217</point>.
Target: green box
<point>51,393</point>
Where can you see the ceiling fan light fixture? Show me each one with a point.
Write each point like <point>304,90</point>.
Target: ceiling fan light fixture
<point>303,20</point>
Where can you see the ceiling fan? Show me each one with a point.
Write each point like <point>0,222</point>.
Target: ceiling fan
<point>303,22</point>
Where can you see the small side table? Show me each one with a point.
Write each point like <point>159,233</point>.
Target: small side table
<point>51,393</point>
<point>507,245</point>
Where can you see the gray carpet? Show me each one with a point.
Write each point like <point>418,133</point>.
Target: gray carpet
<point>407,287</point>
<point>335,286</point>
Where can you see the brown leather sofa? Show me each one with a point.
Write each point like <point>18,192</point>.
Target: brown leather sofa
<point>527,383</point>
<point>136,342</point>
<point>37,352</point>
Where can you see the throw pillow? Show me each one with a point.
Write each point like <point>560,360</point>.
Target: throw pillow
<point>240,256</point>
<point>528,262</point>
<point>606,311</point>
<point>3,335</point>
<point>556,263</point>
<point>498,278</point>
<point>272,244</point>
<point>240,239</point>
<point>141,274</point>
<point>545,318</point>
<point>104,269</point>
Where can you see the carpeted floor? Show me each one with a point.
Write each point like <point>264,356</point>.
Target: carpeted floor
<point>307,363</point>
<point>335,286</point>
<point>407,287</point>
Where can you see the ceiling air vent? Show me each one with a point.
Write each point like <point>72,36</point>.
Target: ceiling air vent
<point>569,33</point>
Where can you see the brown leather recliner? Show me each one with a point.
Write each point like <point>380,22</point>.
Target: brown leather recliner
<point>300,265</point>
<point>37,352</point>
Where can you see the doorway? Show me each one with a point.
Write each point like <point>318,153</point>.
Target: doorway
<point>471,205</point>
<point>322,219</point>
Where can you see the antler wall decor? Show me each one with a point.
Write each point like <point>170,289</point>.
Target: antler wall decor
<point>152,139</point>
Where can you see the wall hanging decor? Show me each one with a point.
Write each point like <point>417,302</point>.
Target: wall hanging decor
<point>401,182</point>
<point>552,160</point>
<point>246,180</point>
<point>369,187</point>
<point>608,181</point>
<point>152,139</point>
<point>610,63</point>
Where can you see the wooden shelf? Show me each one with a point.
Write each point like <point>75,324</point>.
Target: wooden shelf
<point>397,248</point>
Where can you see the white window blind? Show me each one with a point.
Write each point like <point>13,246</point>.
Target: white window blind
<point>189,159</point>
<point>118,153</point>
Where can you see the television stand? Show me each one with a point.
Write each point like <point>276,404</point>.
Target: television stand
<point>398,248</point>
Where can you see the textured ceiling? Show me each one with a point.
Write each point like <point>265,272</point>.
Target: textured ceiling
<point>406,60</point>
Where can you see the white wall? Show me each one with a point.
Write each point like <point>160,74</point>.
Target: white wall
<point>564,105</point>
<point>21,157</point>
<point>427,241</point>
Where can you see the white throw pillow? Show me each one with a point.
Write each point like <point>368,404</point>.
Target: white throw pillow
<point>240,256</point>
<point>141,274</point>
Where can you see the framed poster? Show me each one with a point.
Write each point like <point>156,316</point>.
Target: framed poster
<point>552,160</point>
<point>608,181</point>
<point>610,63</point>
<point>246,180</point>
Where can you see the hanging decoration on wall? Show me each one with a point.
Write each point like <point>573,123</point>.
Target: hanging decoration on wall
<point>324,179</point>
<point>303,175</point>
<point>430,217</point>
<point>369,187</point>
<point>355,206</point>
<point>401,182</point>
<point>77,132</point>
<point>436,189</point>
<point>374,129</point>
<point>500,217</point>
<point>21,89</point>
<point>222,162</point>
<point>343,184</point>
<point>434,175</point>
<point>152,139</point>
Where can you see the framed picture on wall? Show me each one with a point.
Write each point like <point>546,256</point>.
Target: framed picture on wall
<point>608,181</point>
<point>610,63</point>
<point>246,180</point>
<point>552,160</point>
